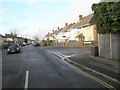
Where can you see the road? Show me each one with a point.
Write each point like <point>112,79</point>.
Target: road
<point>45,70</point>
<point>82,55</point>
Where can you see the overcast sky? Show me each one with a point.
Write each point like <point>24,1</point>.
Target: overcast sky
<point>40,16</point>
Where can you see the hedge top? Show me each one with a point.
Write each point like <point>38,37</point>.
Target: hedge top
<point>107,17</point>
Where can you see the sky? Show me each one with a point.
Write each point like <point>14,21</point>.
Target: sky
<point>31,17</point>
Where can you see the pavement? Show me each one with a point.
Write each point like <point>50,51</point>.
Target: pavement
<point>81,57</point>
<point>4,52</point>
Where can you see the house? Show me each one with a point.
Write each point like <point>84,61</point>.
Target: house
<point>80,37</point>
<point>54,35</point>
<point>73,31</point>
<point>48,37</point>
<point>62,34</point>
<point>1,38</point>
<point>84,29</point>
<point>58,35</point>
<point>87,27</point>
<point>1,41</point>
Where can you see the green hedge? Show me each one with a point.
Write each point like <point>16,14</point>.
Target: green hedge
<point>107,17</point>
<point>46,43</point>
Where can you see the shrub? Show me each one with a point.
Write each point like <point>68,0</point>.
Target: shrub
<point>107,17</point>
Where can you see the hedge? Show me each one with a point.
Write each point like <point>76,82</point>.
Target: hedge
<point>107,17</point>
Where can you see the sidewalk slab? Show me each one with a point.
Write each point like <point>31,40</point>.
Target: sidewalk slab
<point>105,66</point>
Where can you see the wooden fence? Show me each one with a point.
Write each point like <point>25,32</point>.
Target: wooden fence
<point>109,46</point>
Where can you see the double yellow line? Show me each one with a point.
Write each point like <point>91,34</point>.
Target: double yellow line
<point>101,82</point>
<point>94,78</point>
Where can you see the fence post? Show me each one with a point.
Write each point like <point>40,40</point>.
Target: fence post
<point>111,45</point>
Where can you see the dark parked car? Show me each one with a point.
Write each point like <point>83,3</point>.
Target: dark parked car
<point>23,44</point>
<point>71,41</point>
<point>36,44</point>
<point>13,48</point>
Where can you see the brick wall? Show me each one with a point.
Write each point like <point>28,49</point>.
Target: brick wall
<point>74,44</point>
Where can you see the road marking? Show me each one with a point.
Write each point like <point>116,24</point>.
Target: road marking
<point>93,77</point>
<point>26,80</point>
<point>101,82</point>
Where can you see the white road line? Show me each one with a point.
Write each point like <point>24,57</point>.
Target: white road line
<point>26,80</point>
<point>72,55</point>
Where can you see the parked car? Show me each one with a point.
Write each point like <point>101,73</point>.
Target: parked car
<point>72,41</point>
<point>36,44</point>
<point>14,48</point>
<point>23,44</point>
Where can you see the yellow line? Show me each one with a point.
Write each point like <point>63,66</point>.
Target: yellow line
<point>98,80</point>
<point>102,82</point>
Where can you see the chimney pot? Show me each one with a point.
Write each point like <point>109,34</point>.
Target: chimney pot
<point>80,17</point>
<point>66,24</point>
<point>58,28</point>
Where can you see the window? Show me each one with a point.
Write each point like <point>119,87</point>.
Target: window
<point>89,38</point>
<point>63,36</point>
<point>76,31</point>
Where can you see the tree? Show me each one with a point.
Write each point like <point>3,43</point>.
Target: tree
<point>107,17</point>
<point>14,32</point>
<point>36,37</point>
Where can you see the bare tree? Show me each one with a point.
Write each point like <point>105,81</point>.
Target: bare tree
<point>14,32</point>
<point>36,37</point>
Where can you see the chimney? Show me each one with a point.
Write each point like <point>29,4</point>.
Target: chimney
<point>58,28</point>
<point>80,17</point>
<point>66,24</point>
<point>53,30</point>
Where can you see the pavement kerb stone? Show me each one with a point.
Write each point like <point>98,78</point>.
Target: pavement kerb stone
<point>89,69</point>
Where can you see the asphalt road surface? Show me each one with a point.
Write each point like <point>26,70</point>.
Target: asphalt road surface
<point>44,70</point>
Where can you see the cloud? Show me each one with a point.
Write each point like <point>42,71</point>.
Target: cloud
<point>3,10</point>
<point>6,23</point>
<point>34,3</point>
<point>31,1</point>
<point>23,17</point>
<point>79,7</point>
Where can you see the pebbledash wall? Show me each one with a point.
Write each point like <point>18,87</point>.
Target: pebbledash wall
<point>109,46</point>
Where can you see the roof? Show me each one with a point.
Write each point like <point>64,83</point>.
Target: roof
<point>80,36</point>
<point>86,20</point>
<point>66,28</point>
<point>58,31</point>
<point>50,34</point>
<point>54,32</point>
